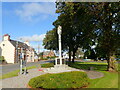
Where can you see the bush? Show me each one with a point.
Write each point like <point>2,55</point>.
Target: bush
<point>117,67</point>
<point>43,58</point>
<point>73,79</point>
<point>2,58</point>
<point>46,58</point>
<point>52,57</point>
<point>47,65</point>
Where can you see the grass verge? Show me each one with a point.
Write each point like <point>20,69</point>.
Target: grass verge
<point>15,73</point>
<point>75,79</point>
<point>10,74</point>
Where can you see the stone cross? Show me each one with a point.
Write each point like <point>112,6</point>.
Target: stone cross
<point>60,46</point>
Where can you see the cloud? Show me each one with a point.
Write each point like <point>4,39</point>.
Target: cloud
<point>32,38</point>
<point>36,46</point>
<point>31,11</point>
<point>0,38</point>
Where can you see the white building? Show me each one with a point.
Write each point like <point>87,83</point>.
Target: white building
<point>66,55</point>
<point>12,50</point>
<point>0,51</point>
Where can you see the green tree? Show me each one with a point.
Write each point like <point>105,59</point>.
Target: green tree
<point>108,30</point>
<point>51,41</point>
<point>75,20</point>
<point>40,55</point>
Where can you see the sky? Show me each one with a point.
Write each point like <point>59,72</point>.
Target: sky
<point>28,21</point>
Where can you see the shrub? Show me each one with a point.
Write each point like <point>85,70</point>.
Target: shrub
<point>2,58</point>
<point>117,67</point>
<point>53,57</point>
<point>47,65</point>
<point>43,58</point>
<point>74,79</point>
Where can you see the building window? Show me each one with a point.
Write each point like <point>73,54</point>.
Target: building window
<point>3,44</point>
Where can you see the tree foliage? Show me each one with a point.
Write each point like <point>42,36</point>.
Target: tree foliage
<point>87,24</point>
<point>50,41</point>
<point>108,30</point>
<point>75,22</point>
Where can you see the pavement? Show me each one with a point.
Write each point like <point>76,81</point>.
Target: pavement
<point>21,81</point>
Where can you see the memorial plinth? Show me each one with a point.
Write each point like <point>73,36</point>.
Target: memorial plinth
<point>57,61</point>
<point>58,65</point>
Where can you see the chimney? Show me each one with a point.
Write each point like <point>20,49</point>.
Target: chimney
<point>6,37</point>
<point>27,42</point>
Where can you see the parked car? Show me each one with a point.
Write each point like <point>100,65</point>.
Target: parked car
<point>117,59</point>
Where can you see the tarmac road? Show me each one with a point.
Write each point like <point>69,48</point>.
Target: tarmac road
<point>11,67</point>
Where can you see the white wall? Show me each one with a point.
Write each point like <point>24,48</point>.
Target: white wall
<point>33,55</point>
<point>30,58</point>
<point>0,51</point>
<point>8,51</point>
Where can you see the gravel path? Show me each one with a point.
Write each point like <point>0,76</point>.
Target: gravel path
<point>21,81</point>
<point>94,74</point>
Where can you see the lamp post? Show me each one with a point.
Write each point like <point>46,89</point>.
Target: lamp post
<point>60,46</point>
<point>21,60</point>
<point>25,69</point>
<point>17,51</point>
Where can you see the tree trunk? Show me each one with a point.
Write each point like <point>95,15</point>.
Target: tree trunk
<point>69,54</point>
<point>108,61</point>
<point>74,51</point>
<point>111,63</point>
<point>73,56</point>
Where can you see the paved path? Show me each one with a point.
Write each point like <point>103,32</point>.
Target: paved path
<point>21,81</point>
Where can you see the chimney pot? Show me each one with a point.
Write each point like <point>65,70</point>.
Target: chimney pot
<point>6,37</point>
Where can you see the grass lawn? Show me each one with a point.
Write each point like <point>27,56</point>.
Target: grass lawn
<point>110,79</point>
<point>86,65</point>
<point>75,79</point>
<point>15,73</point>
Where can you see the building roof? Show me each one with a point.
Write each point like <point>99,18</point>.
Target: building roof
<point>20,44</point>
<point>47,52</point>
<point>6,35</point>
